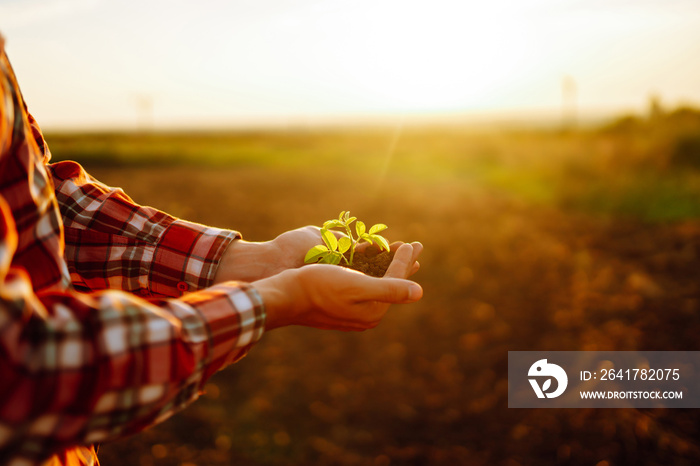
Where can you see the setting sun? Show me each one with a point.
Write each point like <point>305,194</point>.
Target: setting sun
<point>412,57</point>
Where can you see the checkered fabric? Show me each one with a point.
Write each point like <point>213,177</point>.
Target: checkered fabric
<point>98,338</point>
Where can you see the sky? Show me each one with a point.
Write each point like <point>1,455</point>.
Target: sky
<point>102,64</point>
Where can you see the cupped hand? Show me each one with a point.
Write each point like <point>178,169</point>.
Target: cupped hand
<point>251,261</point>
<point>332,297</point>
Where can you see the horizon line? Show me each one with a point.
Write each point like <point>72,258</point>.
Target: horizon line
<point>496,119</point>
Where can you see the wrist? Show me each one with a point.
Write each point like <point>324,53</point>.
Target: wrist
<point>245,261</point>
<point>282,297</point>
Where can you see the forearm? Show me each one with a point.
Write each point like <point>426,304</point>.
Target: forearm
<point>78,368</point>
<point>142,362</point>
<point>112,242</point>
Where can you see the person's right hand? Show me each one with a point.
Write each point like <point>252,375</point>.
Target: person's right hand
<point>332,297</point>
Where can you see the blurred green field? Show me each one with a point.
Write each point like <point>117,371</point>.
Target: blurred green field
<point>537,240</point>
<point>649,171</point>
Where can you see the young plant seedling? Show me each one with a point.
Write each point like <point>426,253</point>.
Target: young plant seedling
<point>334,250</point>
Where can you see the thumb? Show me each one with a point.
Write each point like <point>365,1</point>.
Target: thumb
<point>402,263</point>
<point>392,290</point>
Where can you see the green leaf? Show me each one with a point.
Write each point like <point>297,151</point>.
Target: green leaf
<point>327,259</point>
<point>366,237</point>
<point>377,228</point>
<point>340,217</point>
<point>347,216</point>
<point>360,228</point>
<point>344,244</point>
<point>330,239</point>
<point>350,220</point>
<point>335,258</point>
<point>315,254</point>
<point>381,241</point>
<point>333,224</point>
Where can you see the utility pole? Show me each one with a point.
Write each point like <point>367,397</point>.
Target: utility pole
<point>569,112</point>
<point>144,109</point>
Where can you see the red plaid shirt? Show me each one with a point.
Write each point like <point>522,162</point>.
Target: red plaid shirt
<point>92,344</point>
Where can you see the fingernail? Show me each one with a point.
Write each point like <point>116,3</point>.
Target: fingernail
<point>415,292</point>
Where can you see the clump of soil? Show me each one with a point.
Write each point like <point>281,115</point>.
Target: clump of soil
<point>371,261</point>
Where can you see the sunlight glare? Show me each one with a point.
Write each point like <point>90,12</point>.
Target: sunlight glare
<point>413,57</point>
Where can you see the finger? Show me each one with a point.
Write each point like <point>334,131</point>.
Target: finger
<point>395,245</point>
<point>415,266</point>
<point>401,264</point>
<point>417,249</point>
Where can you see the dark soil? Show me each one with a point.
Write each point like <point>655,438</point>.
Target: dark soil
<point>372,261</point>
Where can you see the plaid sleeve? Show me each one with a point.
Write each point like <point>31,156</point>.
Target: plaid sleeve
<point>111,242</point>
<point>79,368</point>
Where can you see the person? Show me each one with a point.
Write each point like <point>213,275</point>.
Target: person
<point>113,315</point>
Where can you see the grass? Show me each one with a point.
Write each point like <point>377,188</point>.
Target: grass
<point>648,196</point>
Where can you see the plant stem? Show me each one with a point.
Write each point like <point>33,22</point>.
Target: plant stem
<point>352,243</point>
<point>352,253</point>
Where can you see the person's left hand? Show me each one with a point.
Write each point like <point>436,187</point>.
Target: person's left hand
<point>249,261</point>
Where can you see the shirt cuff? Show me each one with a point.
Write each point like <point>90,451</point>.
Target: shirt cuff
<point>186,257</point>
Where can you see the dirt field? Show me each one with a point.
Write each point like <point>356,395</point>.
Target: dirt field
<point>502,270</point>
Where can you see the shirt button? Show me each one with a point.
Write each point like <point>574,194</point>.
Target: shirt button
<point>182,286</point>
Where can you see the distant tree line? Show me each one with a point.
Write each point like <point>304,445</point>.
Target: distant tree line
<point>674,134</point>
